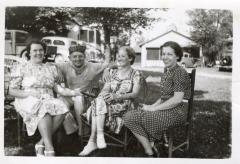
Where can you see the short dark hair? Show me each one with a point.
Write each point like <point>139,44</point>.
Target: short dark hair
<point>28,48</point>
<point>130,52</point>
<point>176,47</point>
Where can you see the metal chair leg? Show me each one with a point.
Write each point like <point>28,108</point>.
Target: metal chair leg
<point>170,144</point>
<point>19,130</point>
<point>125,141</point>
<point>187,137</point>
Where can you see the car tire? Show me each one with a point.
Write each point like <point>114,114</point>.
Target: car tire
<point>59,58</point>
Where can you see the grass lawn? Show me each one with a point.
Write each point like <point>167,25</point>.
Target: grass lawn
<point>211,129</point>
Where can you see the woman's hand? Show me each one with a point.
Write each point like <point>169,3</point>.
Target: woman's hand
<point>108,97</point>
<point>147,107</point>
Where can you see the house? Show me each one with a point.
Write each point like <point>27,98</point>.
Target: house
<point>150,50</point>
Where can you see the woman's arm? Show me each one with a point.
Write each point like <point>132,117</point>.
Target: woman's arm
<point>105,90</point>
<point>19,93</point>
<point>132,95</point>
<point>170,103</point>
<point>66,91</point>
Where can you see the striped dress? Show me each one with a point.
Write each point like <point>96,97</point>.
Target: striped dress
<point>151,124</point>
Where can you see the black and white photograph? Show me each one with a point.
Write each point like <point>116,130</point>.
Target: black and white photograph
<point>116,81</point>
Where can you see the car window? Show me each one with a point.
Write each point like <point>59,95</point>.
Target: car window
<point>58,42</point>
<point>47,41</point>
<point>21,37</point>
<point>8,36</point>
<point>73,43</point>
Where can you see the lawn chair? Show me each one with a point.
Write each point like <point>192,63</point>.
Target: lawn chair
<point>125,136</point>
<point>168,136</point>
<point>9,62</point>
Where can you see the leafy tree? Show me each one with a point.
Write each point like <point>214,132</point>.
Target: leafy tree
<point>21,18</point>
<point>209,29</point>
<point>114,21</point>
<point>54,20</point>
<point>39,20</point>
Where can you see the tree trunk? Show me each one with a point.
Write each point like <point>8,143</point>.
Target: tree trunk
<point>106,34</point>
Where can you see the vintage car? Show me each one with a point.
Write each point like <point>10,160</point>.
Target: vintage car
<point>187,61</point>
<point>61,51</point>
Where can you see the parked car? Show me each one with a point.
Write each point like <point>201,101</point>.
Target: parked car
<point>62,45</point>
<point>187,61</point>
<point>225,64</point>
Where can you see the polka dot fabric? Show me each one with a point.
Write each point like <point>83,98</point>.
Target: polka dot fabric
<point>152,124</point>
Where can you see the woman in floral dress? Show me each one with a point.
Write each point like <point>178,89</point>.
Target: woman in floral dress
<point>32,85</point>
<point>114,100</point>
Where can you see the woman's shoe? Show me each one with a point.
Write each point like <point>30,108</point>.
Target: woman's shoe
<point>101,144</point>
<point>88,149</point>
<point>39,150</point>
<point>156,152</point>
<point>49,153</point>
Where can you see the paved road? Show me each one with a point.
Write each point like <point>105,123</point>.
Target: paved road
<point>206,72</point>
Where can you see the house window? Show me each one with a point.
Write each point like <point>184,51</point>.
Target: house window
<point>153,54</point>
<point>83,35</point>
<point>91,36</point>
<point>98,38</point>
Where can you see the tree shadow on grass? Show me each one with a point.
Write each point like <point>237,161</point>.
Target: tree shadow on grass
<point>210,137</point>
<point>210,133</point>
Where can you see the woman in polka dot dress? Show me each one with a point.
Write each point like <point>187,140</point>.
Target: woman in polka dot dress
<point>148,123</point>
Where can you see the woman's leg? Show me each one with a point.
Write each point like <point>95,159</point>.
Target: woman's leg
<point>145,143</point>
<point>91,145</point>
<point>45,129</point>
<point>100,119</point>
<point>57,121</point>
<point>134,121</point>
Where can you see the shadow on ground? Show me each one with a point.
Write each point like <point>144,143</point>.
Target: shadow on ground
<point>210,133</point>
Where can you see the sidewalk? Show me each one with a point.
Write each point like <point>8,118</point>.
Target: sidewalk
<point>200,71</point>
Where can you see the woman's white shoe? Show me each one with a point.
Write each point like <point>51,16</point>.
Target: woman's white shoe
<point>101,144</point>
<point>90,147</point>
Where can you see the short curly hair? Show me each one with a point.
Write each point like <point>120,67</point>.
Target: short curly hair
<point>130,52</point>
<point>28,48</point>
<point>176,47</point>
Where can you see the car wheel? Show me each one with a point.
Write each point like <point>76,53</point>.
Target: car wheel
<point>59,58</point>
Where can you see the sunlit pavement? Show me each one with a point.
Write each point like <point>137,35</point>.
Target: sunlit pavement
<point>200,71</point>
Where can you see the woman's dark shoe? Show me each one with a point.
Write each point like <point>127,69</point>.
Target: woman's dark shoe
<point>154,155</point>
<point>156,152</point>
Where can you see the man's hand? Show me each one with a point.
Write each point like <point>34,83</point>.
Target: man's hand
<point>106,75</point>
<point>77,92</point>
